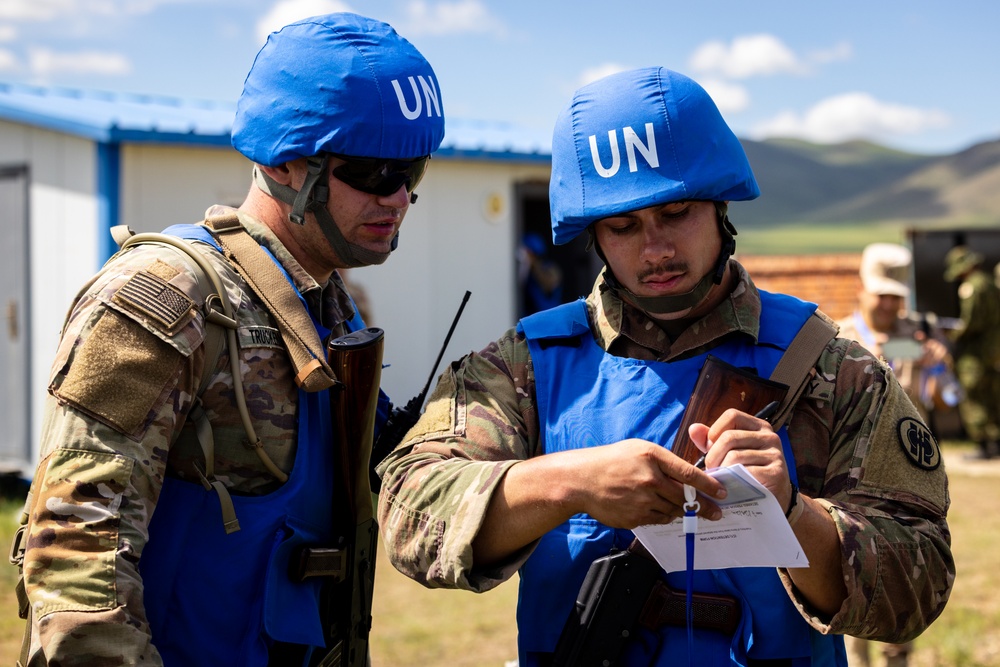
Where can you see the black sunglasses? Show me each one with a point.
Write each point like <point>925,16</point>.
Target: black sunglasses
<point>378,176</point>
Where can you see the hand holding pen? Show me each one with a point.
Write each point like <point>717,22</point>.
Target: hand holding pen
<point>764,413</point>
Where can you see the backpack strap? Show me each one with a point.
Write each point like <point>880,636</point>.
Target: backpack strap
<point>797,365</point>
<point>17,549</point>
<point>312,372</point>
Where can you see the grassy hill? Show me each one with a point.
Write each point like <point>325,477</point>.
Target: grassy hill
<point>837,198</point>
<point>960,189</point>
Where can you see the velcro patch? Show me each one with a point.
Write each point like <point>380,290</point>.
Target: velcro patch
<point>819,389</point>
<point>918,444</point>
<point>439,415</point>
<point>119,373</point>
<point>152,297</point>
<point>901,457</point>
<point>260,336</point>
<point>163,270</point>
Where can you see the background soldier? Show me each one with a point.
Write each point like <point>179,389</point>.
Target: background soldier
<point>916,350</point>
<point>977,348</point>
<point>539,276</point>
<point>916,353</point>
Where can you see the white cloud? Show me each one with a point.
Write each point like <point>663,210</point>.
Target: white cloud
<point>289,11</point>
<point>45,61</point>
<point>851,116</point>
<point>750,55</point>
<point>8,33</point>
<point>461,16</point>
<point>144,6</point>
<point>592,74</point>
<point>729,97</point>
<point>8,61</point>
<point>35,10</point>
<point>48,10</point>
<point>837,53</point>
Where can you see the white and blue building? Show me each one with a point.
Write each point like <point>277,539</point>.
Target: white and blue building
<point>75,163</point>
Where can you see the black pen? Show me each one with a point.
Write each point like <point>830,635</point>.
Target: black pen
<point>764,413</point>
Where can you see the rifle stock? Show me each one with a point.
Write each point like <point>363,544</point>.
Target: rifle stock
<point>356,358</point>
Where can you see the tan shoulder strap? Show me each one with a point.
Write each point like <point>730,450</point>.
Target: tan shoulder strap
<point>312,372</point>
<point>797,365</point>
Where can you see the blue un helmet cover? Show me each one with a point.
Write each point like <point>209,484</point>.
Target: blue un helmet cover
<point>641,138</point>
<point>339,83</point>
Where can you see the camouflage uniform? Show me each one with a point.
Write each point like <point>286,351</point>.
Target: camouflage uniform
<point>977,356</point>
<point>890,512</point>
<point>121,388</point>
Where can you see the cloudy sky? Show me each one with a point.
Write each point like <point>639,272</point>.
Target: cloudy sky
<point>918,75</point>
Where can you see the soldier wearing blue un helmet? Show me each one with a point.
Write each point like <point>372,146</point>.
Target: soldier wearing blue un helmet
<point>188,509</point>
<point>607,160</point>
<point>349,97</point>
<point>542,453</point>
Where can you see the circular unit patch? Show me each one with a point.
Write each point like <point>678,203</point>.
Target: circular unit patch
<point>919,444</point>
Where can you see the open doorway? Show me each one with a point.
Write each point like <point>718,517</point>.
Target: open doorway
<point>932,293</point>
<point>546,274</point>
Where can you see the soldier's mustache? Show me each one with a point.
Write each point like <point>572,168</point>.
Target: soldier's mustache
<point>668,266</point>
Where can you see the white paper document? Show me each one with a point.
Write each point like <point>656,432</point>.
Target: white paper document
<point>752,532</point>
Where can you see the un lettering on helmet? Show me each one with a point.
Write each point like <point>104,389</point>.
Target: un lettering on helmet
<point>632,144</point>
<point>430,96</point>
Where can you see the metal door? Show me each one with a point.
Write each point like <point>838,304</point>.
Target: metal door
<point>15,402</point>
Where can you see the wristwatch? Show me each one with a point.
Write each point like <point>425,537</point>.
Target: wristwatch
<point>795,508</point>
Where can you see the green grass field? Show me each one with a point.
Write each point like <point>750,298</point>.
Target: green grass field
<point>812,239</point>
<point>420,627</point>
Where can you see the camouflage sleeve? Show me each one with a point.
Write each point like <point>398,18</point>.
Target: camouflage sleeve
<point>121,384</point>
<point>883,481</point>
<point>437,485</point>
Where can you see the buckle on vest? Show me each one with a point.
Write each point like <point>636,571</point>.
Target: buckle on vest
<point>319,562</point>
<point>666,606</point>
<point>16,556</point>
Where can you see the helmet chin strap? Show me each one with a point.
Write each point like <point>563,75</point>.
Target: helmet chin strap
<point>674,304</point>
<point>681,304</point>
<point>313,197</point>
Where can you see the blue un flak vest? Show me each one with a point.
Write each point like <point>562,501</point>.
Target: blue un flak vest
<point>216,599</point>
<point>586,398</point>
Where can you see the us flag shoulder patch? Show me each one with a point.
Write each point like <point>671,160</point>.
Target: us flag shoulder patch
<point>156,299</point>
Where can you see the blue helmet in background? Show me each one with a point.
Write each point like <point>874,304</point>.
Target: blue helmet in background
<point>637,139</point>
<point>535,243</point>
<point>338,83</point>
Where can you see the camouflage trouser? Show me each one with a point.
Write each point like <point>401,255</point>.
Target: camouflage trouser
<point>981,404</point>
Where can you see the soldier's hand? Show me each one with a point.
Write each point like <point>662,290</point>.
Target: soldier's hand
<point>737,437</point>
<point>935,352</point>
<point>636,482</point>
